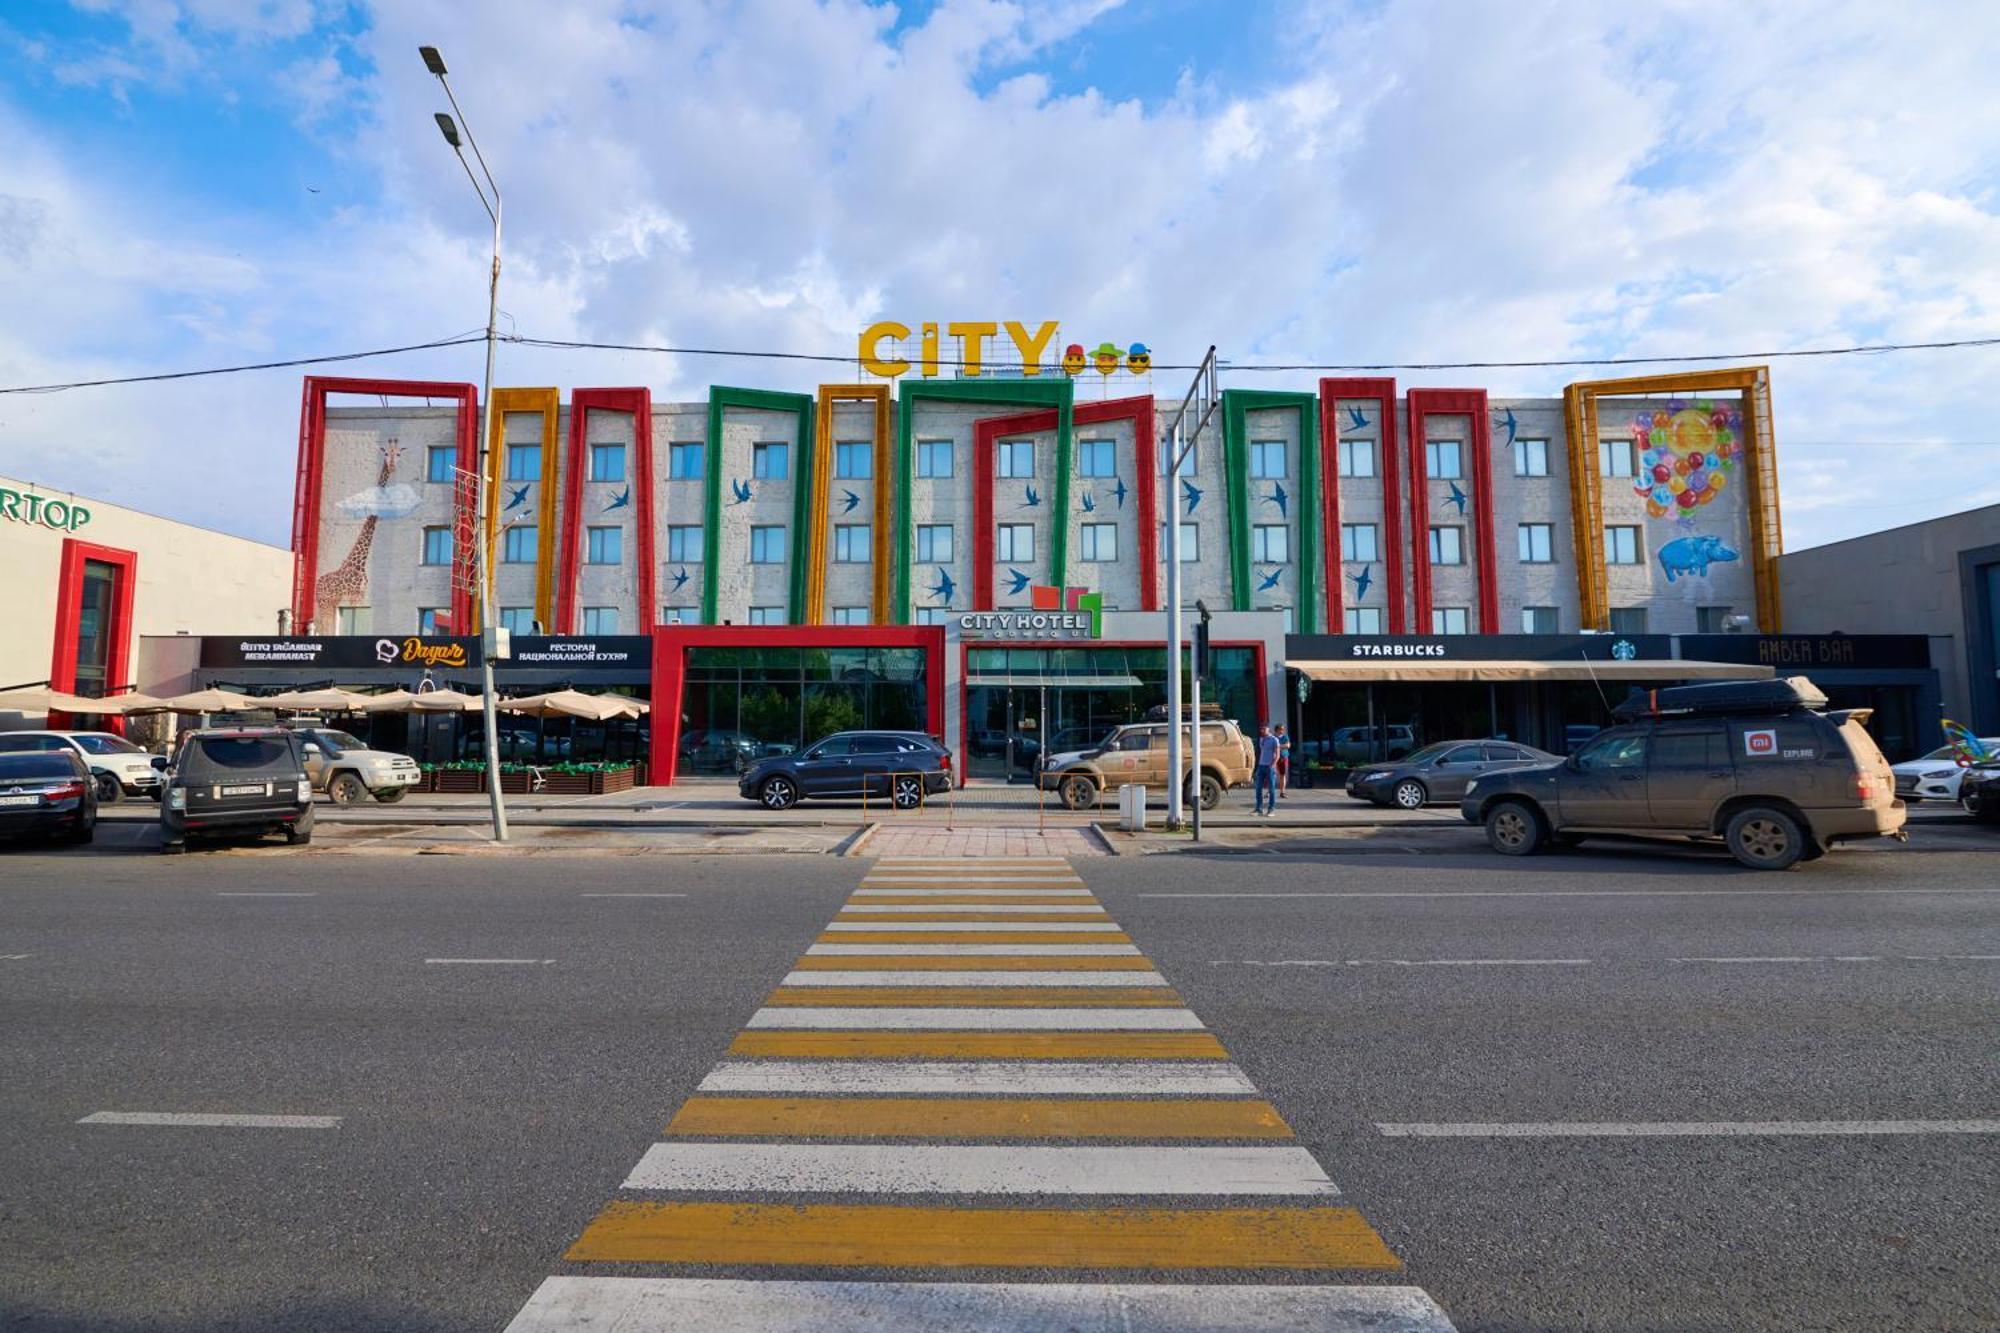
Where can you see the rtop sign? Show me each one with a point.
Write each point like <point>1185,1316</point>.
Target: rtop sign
<point>45,510</point>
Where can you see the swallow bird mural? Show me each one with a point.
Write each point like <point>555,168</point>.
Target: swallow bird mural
<point>1192,494</point>
<point>1510,424</point>
<point>943,588</point>
<point>680,578</point>
<point>620,500</point>
<point>848,501</point>
<point>1017,582</point>
<point>1271,579</point>
<point>1089,503</point>
<point>1034,498</point>
<point>1356,420</point>
<point>1457,497</point>
<point>741,491</point>
<point>516,497</point>
<point>1279,498</point>
<point>1118,491</point>
<point>1363,581</point>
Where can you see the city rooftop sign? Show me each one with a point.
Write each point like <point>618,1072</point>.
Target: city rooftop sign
<point>30,508</point>
<point>972,337</point>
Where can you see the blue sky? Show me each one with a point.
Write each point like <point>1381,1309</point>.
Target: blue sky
<point>201,182</point>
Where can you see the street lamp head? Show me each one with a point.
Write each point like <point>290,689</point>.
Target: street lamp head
<point>432,60</point>
<point>446,128</point>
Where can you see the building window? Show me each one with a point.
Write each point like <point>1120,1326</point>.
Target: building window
<point>1531,458</point>
<point>1361,619</point>
<point>1355,458</point>
<point>850,615</point>
<point>1189,467</point>
<point>427,619</point>
<point>1190,543</point>
<point>441,463</point>
<point>1628,620</point>
<point>771,461</point>
<point>1267,459</point>
<point>934,458</point>
<point>678,615</point>
<point>767,547</point>
<point>853,460</point>
<point>1016,458</point>
<point>1617,458</point>
<point>1095,458</point>
<point>517,545</point>
<point>1448,546</point>
<point>1291,617</point>
<point>607,462</point>
<point>1448,620</point>
<point>1621,545</point>
<point>1711,619</point>
<point>604,546</point>
<point>1017,542</point>
<point>1270,544</point>
<point>1538,543</point>
<point>767,615</point>
<point>1100,542</point>
<point>850,543</point>
<point>1539,620</point>
<point>934,544</point>
<point>517,619</point>
<point>684,543</point>
<point>524,462</point>
<point>1442,460</point>
<point>437,546</point>
<point>686,461</point>
<point>600,620</point>
<point>352,620</point>
<point>1357,542</point>
<point>933,615</point>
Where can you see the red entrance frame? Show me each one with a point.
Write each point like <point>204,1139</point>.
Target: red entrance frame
<point>986,434</point>
<point>576,466</point>
<point>1381,392</point>
<point>1455,403</point>
<point>312,472</point>
<point>671,642</point>
<point>69,620</point>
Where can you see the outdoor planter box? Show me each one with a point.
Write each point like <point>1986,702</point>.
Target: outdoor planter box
<point>460,780</point>
<point>514,784</point>
<point>588,784</point>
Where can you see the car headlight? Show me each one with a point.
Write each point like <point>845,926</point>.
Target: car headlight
<point>1936,775</point>
<point>177,798</point>
<point>305,789</point>
<point>1376,776</point>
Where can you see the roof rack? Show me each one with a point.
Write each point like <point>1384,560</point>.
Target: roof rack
<point>1723,698</point>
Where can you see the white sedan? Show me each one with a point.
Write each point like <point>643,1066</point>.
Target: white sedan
<point>1935,776</point>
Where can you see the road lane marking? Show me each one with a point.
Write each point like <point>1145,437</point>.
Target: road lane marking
<point>982,1045</point>
<point>1401,962</point>
<point>968,997</point>
<point>1149,1078</point>
<point>980,927</point>
<point>14,957</point>
<point>968,949</point>
<point>853,1235</point>
<point>1827,958</point>
<point>969,977</point>
<point>492,962</point>
<point>979,1020</point>
<point>922,1168</point>
<point>208,1120</point>
<point>983,1118</point>
<point>653,1305</point>
<point>248,893</point>
<point>1682,1128</point>
<point>631,895</point>
<point>1558,893</point>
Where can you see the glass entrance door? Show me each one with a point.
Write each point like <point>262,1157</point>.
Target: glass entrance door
<point>1004,732</point>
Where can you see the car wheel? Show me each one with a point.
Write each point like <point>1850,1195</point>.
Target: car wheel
<point>778,793</point>
<point>1765,839</point>
<point>1515,828</point>
<point>1078,793</point>
<point>1411,794</point>
<point>1211,792</point>
<point>391,795</point>
<point>83,834</point>
<point>298,837</point>
<point>906,792</point>
<point>108,789</point>
<point>347,789</point>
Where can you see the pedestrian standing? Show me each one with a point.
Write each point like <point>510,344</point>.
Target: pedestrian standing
<point>1266,776</point>
<point>1284,759</point>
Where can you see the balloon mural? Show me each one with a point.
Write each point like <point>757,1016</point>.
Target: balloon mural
<point>1688,453</point>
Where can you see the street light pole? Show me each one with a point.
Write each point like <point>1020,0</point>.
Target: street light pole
<point>482,569</point>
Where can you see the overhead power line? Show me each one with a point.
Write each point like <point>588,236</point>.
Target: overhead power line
<point>564,344</point>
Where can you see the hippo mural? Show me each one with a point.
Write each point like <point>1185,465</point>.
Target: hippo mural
<point>1693,555</point>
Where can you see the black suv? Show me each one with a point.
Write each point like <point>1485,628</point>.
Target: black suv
<point>903,766</point>
<point>237,780</point>
<point>1759,764</point>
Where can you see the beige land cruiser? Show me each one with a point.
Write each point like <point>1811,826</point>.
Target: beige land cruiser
<point>349,772</point>
<point>1137,753</point>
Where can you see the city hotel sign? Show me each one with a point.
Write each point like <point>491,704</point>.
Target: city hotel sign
<point>47,511</point>
<point>1021,626</point>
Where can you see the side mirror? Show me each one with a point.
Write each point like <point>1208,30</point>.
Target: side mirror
<point>312,751</point>
<point>160,762</point>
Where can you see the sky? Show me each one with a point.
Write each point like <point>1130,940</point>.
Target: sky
<point>196,183</point>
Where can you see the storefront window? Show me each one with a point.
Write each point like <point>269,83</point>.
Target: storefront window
<point>93,628</point>
<point>742,704</point>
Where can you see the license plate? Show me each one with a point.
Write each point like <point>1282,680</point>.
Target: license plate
<point>20,800</point>
<point>257,790</point>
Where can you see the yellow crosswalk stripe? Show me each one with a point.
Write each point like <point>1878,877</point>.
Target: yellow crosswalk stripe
<point>1044,997</point>
<point>897,1236</point>
<point>981,1045</point>
<point>970,914</point>
<point>979,1118</point>
<point>968,963</point>
<point>975,937</point>
<point>914,900</point>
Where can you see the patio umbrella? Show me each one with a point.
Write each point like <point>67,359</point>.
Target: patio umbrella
<point>445,701</point>
<point>212,701</point>
<point>132,702</point>
<point>42,699</point>
<point>566,703</point>
<point>392,701</point>
<point>317,701</point>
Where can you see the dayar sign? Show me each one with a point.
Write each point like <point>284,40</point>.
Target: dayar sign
<point>973,335</point>
<point>49,512</point>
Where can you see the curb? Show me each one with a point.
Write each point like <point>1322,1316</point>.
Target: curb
<point>854,845</point>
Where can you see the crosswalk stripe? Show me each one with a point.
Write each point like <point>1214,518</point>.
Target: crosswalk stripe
<point>966,997</point>
<point>1154,1078</point>
<point>972,933</point>
<point>904,1236</point>
<point>944,918</point>
<point>974,977</point>
<point>996,895</point>
<point>982,1045</point>
<point>979,1020</point>
<point>933,911</point>
<point>943,881</point>
<point>980,927</point>
<point>722,1305</point>
<point>982,1118</point>
<point>930,1168</point>
<point>973,949</point>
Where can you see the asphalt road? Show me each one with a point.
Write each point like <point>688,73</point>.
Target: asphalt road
<point>487,1110</point>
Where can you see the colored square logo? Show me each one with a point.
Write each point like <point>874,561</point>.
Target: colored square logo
<point>1760,742</point>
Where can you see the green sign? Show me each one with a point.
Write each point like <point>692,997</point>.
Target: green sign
<point>49,512</point>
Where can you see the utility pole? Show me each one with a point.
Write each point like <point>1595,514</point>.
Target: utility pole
<point>1197,406</point>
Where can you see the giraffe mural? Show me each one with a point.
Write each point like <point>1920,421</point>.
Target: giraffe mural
<point>347,583</point>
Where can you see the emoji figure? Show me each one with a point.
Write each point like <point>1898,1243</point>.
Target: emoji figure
<point>1073,359</point>
<point>1107,357</point>
<point>1139,359</point>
